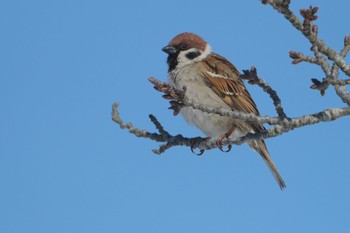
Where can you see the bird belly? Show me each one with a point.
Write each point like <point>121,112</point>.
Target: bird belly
<point>212,125</point>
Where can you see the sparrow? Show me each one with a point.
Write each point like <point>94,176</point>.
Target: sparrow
<point>212,80</point>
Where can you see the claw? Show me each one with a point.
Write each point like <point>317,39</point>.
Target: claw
<point>201,151</point>
<point>229,147</point>
<point>222,137</point>
<point>219,144</point>
<point>195,142</point>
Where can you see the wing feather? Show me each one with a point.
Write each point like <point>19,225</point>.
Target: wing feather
<point>223,78</point>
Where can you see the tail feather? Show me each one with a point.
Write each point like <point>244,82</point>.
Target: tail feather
<point>261,148</point>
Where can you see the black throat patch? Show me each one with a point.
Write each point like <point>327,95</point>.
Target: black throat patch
<point>172,61</point>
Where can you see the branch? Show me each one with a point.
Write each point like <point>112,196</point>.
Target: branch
<point>309,30</point>
<point>253,78</point>
<point>346,48</point>
<point>299,57</point>
<point>116,118</point>
<point>341,91</point>
<point>326,82</point>
<point>179,140</point>
<point>182,100</point>
<point>321,60</point>
<point>288,125</point>
<point>320,49</point>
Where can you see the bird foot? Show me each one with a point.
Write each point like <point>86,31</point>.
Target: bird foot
<point>195,142</point>
<point>219,144</point>
<point>222,137</point>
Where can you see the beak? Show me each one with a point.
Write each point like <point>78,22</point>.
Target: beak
<point>169,49</point>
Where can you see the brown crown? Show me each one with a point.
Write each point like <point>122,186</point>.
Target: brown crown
<point>190,39</point>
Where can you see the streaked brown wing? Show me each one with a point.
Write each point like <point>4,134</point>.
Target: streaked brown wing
<point>224,79</point>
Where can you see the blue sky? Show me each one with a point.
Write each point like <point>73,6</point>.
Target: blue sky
<point>66,167</point>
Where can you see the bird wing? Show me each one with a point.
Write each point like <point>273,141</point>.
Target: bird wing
<point>223,78</point>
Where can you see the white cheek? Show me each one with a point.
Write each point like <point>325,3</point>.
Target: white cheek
<point>182,60</point>
<point>205,53</point>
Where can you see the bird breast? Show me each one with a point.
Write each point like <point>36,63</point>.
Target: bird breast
<point>212,125</point>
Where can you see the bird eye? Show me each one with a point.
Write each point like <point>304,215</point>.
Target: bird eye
<point>183,46</point>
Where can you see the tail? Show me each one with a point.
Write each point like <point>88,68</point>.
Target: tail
<point>261,148</point>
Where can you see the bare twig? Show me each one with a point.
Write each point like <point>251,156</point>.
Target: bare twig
<point>175,96</point>
<point>162,136</point>
<point>321,60</point>
<point>217,110</point>
<point>116,118</point>
<point>179,140</point>
<point>322,86</point>
<point>299,57</point>
<point>321,50</point>
<point>252,77</point>
<point>341,91</point>
<point>294,123</point>
<point>309,16</point>
<point>346,48</point>
<point>312,37</point>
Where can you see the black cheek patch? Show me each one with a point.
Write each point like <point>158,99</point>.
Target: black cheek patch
<point>193,55</point>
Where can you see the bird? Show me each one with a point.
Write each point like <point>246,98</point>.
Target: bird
<point>211,80</point>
